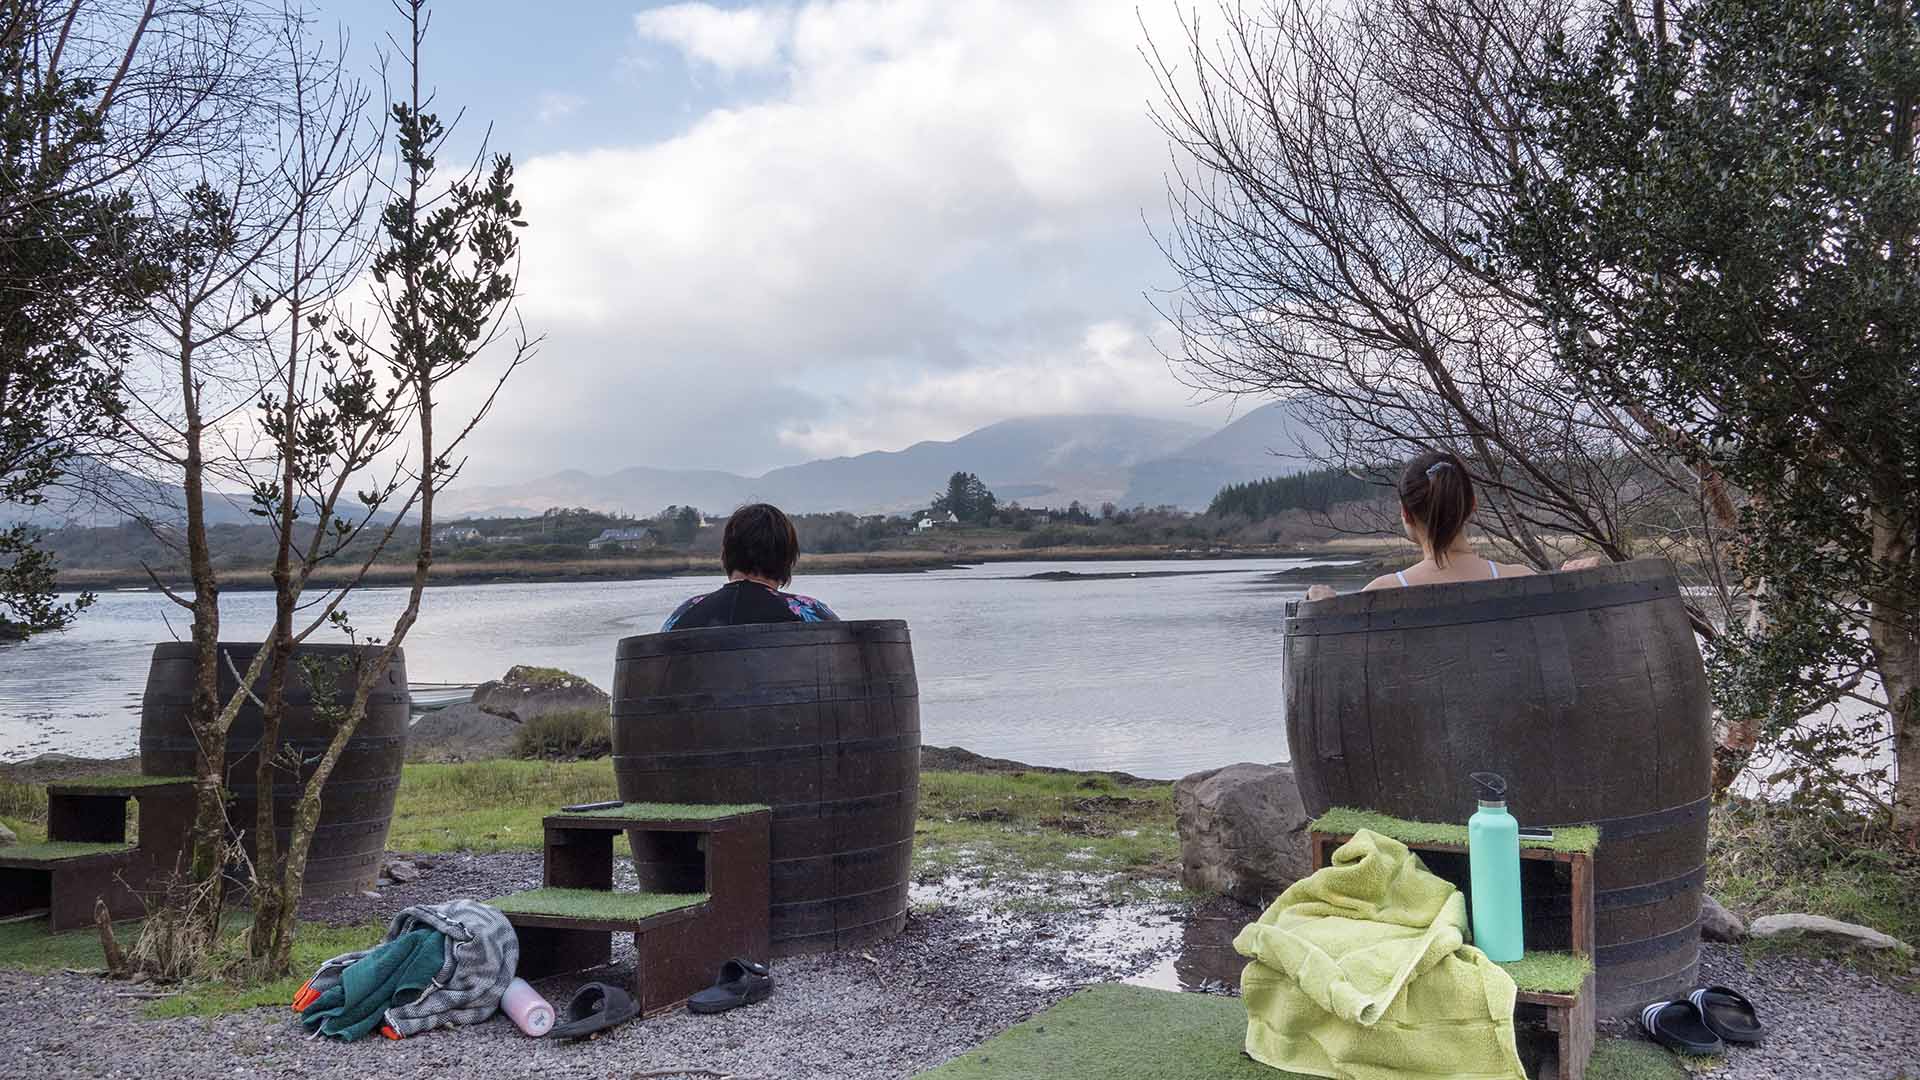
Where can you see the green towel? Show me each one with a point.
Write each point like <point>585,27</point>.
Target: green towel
<point>1361,972</point>
<point>392,974</point>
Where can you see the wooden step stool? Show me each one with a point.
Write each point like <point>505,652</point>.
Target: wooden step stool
<point>1565,1014</point>
<point>681,938</point>
<point>86,854</point>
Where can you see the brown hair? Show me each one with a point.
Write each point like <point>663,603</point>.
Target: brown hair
<point>761,541</point>
<point>1437,495</point>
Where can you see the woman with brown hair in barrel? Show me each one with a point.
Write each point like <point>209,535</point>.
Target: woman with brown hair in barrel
<point>757,551</point>
<point>1436,503</point>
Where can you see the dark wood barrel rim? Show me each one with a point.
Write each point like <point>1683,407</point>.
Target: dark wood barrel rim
<point>754,636</point>
<point>1498,609</point>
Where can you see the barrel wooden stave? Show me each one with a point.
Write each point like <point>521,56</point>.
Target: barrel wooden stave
<point>1584,689</point>
<point>356,806</point>
<point>821,722</point>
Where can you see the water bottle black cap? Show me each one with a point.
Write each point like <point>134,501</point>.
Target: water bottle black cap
<point>1491,786</point>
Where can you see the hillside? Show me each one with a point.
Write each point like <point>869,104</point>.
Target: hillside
<point>1264,442</point>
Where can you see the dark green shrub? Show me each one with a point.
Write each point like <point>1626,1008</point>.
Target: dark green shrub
<point>574,735</point>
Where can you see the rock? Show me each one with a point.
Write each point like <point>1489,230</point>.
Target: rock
<point>1243,831</point>
<point>1719,924</point>
<point>7,837</point>
<point>462,732</point>
<point>526,692</point>
<point>402,871</point>
<point>1833,930</point>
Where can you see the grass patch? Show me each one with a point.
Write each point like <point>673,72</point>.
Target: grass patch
<point>1550,972</point>
<point>491,805</point>
<point>547,678</point>
<point>1341,820</point>
<point>28,947</point>
<point>572,735</point>
<point>1046,825</point>
<point>595,903</point>
<point>671,811</point>
<point>54,850</point>
<point>1629,1059</point>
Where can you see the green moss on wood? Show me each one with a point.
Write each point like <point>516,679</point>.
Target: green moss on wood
<point>595,903</point>
<point>1550,972</point>
<point>668,811</point>
<point>55,850</point>
<point>1341,820</point>
<point>121,781</point>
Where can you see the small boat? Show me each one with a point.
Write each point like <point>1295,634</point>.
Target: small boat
<point>432,697</point>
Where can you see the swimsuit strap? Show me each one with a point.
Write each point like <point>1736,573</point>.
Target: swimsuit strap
<point>1493,566</point>
<point>1402,576</point>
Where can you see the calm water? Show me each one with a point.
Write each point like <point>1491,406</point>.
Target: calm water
<point>1157,676</point>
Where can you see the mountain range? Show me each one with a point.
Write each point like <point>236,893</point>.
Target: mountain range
<point>1036,461</point>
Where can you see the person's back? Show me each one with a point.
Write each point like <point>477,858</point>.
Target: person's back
<point>758,552</point>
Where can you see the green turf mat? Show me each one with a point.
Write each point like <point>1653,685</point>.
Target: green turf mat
<point>1341,820</point>
<point>119,780</point>
<point>55,850</point>
<point>1115,1032</point>
<point>668,811</point>
<point>595,903</point>
<point>1549,972</point>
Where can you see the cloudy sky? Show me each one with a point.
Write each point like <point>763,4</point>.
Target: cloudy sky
<point>762,233</point>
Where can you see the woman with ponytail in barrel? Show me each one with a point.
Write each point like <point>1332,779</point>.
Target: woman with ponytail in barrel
<point>1436,502</point>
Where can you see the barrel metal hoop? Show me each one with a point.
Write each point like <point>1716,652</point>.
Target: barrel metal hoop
<point>1645,990</point>
<point>769,697</point>
<point>1655,821</point>
<point>1628,951</point>
<point>1650,893</point>
<point>804,905</point>
<point>714,759</point>
<point>332,789</point>
<point>183,743</point>
<point>1513,607</point>
<point>847,852</point>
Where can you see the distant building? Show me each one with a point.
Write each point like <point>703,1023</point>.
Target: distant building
<point>934,521</point>
<point>458,534</point>
<point>624,539</point>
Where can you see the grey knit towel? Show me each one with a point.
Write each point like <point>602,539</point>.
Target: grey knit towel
<point>482,953</point>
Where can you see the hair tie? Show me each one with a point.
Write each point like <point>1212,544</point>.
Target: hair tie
<point>1437,466</point>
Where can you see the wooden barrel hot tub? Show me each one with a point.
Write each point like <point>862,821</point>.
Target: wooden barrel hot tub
<point>356,806</point>
<point>1584,689</point>
<point>819,720</point>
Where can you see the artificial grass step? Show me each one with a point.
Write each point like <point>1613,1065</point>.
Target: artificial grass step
<point>667,811</point>
<point>1550,972</point>
<point>596,904</point>
<point>56,850</point>
<point>114,784</point>
<point>1344,821</point>
<point>1114,1032</point>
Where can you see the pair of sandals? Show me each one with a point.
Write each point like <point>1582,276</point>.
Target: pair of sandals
<point>597,1007</point>
<point>1703,1022</point>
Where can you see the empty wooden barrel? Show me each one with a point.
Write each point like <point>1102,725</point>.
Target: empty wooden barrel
<point>356,806</point>
<point>1584,689</point>
<point>821,721</point>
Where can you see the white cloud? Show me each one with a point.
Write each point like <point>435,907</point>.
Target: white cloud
<point>553,105</point>
<point>932,221</point>
<point>731,40</point>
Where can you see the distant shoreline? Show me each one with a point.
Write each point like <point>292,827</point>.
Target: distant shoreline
<point>644,568</point>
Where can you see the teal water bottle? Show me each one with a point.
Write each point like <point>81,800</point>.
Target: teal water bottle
<point>1493,858</point>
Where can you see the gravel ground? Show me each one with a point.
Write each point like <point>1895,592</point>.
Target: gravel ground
<point>956,977</point>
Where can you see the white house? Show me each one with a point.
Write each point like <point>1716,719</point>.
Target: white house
<point>458,534</point>
<point>624,539</point>
<point>933,521</point>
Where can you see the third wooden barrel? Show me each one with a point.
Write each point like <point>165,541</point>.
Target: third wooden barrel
<point>1584,689</point>
<point>356,805</point>
<point>821,721</point>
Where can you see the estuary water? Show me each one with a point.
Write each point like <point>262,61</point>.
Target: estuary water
<point>1153,668</point>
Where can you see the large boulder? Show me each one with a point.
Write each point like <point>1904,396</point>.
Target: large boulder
<point>1243,831</point>
<point>526,692</point>
<point>7,837</point>
<point>1830,930</point>
<point>1719,924</point>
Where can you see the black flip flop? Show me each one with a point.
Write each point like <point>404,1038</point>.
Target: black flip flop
<point>1678,1025</point>
<point>594,1007</point>
<point>742,982</point>
<point>1729,1014</point>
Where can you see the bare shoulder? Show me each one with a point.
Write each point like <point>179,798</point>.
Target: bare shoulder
<point>1384,581</point>
<point>1516,570</point>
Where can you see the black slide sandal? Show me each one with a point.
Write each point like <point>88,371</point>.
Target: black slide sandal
<point>1678,1025</point>
<point>1729,1014</point>
<point>741,982</point>
<point>594,1007</point>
